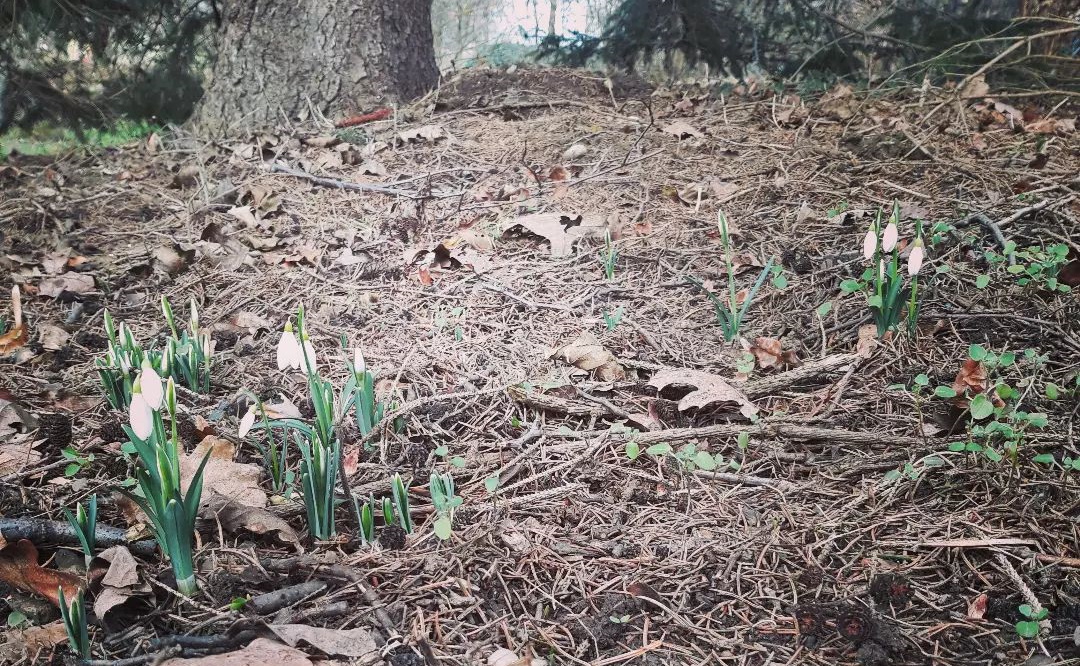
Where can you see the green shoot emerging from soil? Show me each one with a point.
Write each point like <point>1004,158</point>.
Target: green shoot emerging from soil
<point>728,314</point>
<point>185,358</point>
<point>445,501</point>
<point>84,522</point>
<point>74,618</point>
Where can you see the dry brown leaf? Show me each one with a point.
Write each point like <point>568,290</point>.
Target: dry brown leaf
<point>560,229</point>
<point>1069,274</point>
<point>1052,126</point>
<point>120,580</point>
<point>187,176</point>
<point>16,453</point>
<point>723,189</point>
<point>259,652</point>
<point>709,389</point>
<point>13,339</point>
<point>972,380</point>
<point>250,321</point>
<point>504,657</point>
<point>237,481</point>
<point>867,341</point>
<point>586,353</point>
<point>977,608</point>
<point>234,517</point>
<point>53,338</point>
<point>19,568</point>
<point>575,152</point>
<point>74,283</point>
<point>681,129</point>
<point>839,103</point>
<point>173,259</point>
<point>28,643</point>
<point>976,86</point>
<point>245,214</point>
<point>479,241</point>
<point>425,132</point>
<point>354,643</point>
<point>770,354</point>
<point>54,263</point>
<point>122,570</point>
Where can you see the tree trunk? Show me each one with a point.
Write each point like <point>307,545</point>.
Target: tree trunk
<point>276,60</point>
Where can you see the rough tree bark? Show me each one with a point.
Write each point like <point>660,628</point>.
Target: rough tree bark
<point>278,59</point>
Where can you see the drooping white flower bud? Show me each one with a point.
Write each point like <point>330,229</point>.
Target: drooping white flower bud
<point>289,354</point>
<point>308,353</point>
<point>869,243</point>
<point>358,361</point>
<point>152,389</point>
<point>889,237</point>
<point>915,259</point>
<point>140,415</point>
<point>246,423</point>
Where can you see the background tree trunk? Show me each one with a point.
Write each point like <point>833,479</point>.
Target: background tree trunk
<point>344,56</point>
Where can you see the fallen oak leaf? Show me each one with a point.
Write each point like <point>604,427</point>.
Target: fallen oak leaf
<point>560,229</point>
<point>19,568</point>
<point>709,389</point>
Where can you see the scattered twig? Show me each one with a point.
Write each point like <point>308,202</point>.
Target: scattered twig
<point>264,604</point>
<point>40,531</point>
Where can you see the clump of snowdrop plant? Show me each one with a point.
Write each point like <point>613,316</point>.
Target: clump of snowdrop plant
<point>171,511</point>
<point>186,357</point>
<point>318,442</point>
<point>883,280</point>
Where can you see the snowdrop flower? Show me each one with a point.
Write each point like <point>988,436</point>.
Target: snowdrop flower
<point>152,389</point>
<point>889,237</point>
<point>869,243</point>
<point>915,259</point>
<point>289,354</point>
<point>140,414</point>
<point>358,361</point>
<point>307,353</point>
<point>246,423</point>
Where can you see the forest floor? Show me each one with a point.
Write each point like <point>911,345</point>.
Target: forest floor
<point>635,489</point>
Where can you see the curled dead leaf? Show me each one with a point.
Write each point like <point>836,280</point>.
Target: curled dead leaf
<point>234,517</point>
<point>709,389</point>
<point>586,353</point>
<point>977,608</point>
<point>769,353</point>
<point>972,380</point>
<point>19,568</point>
